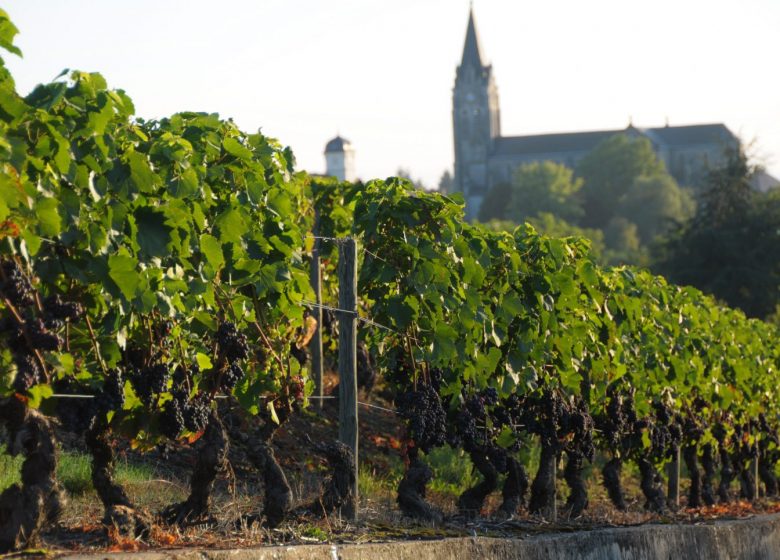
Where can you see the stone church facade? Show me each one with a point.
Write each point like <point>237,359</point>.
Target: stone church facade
<point>484,158</point>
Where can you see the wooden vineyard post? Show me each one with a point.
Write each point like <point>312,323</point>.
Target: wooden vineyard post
<point>756,481</point>
<point>316,341</point>
<point>554,511</point>
<point>673,473</point>
<point>348,409</point>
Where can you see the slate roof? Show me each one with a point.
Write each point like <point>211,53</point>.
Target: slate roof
<point>550,143</point>
<point>693,134</point>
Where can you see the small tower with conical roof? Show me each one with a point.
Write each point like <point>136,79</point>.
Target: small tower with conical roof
<point>476,121</point>
<point>340,159</point>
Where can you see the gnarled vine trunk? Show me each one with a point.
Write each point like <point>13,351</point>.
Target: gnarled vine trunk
<point>651,486</point>
<point>726,474</point>
<point>515,486</point>
<point>611,479</point>
<point>470,502</point>
<point>766,470</point>
<point>411,493</point>
<point>572,473</point>
<point>119,511</point>
<point>692,463</point>
<point>708,465</point>
<point>26,508</point>
<point>212,459</point>
<point>337,491</point>
<point>543,486</point>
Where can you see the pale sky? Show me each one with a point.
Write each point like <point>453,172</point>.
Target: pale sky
<point>380,72</point>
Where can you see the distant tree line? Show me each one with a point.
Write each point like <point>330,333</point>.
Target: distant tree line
<point>720,236</point>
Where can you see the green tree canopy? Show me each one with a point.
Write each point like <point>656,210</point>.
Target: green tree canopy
<point>494,205</point>
<point>731,248</point>
<point>535,188</point>
<point>610,170</point>
<point>655,204</point>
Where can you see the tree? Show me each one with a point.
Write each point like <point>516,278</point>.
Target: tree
<point>494,205</point>
<point>608,172</point>
<point>731,248</point>
<point>621,237</point>
<point>655,204</point>
<point>535,188</point>
<point>544,187</point>
<point>446,183</point>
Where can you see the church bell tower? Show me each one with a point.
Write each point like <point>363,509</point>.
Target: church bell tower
<point>476,121</point>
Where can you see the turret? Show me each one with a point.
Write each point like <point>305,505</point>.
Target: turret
<point>340,159</point>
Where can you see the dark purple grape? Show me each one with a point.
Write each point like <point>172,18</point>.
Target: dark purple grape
<point>28,373</point>
<point>172,419</point>
<point>196,413</point>
<point>56,308</point>
<point>230,377</point>
<point>232,344</point>
<point>113,395</point>
<point>42,338</point>
<point>15,285</point>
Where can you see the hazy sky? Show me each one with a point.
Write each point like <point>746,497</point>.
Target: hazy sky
<point>381,72</point>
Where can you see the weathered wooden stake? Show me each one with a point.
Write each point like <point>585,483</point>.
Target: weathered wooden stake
<point>554,513</point>
<point>756,480</point>
<point>315,345</point>
<point>348,409</point>
<point>673,474</point>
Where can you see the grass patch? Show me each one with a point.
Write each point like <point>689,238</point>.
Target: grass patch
<point>74,472</point>
<point>453,471</point>
<point>374,485</point>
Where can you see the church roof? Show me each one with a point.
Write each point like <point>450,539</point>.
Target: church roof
<point>472,53</point>
<point>692,134</point>
<point>550,143</point>
<point>337,145</point>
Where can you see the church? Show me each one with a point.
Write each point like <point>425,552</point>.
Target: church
<point>484,158</point>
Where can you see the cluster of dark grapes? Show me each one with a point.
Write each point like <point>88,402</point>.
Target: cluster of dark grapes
<point>543,415</point>
<point>27,328</point>
<point>620,419</point>
<point>112,397</point>
<point>150,381</point>
<point>232,344</point>
<point>232,347</point>
<point>56,309</point>
<point>425,415</point>
<point>15,285</point>
<point>183,412</point>
<point>471,421</point>
<point>665,431</point>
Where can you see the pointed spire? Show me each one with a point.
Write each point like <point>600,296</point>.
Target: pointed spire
<point>472,54</point>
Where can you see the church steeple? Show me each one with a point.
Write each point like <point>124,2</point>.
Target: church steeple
<point>472,54</point>
<point>476,121</point>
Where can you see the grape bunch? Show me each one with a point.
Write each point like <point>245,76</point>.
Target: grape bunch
<point>56,309</point>
<point>15,285</point>
<point>425,415</point>
<point>29,329</point>
<point>28,373</point>
<point>42,338</point>
<point>112,397</point>
<point>196,413</point>
<point>230,377</point>
<point>172,418</point>
<point>150,382</point>
<point>232,344</point>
